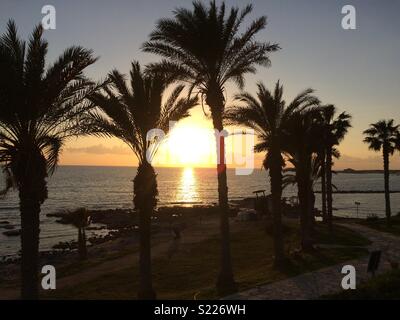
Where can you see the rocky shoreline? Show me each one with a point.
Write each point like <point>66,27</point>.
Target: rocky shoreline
<point>109,225</point>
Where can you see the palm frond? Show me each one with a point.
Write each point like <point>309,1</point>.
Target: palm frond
<point>39,107</point>
<point>205,46</point>
<point>383,134</point>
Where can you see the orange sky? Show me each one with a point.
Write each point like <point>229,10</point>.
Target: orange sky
<point>357,70</point>
<point>192,144</point>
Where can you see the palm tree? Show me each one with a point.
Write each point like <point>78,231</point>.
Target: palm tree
<point>129,113</point>
<point>383,135</point>
<point>39,109</point>
<point>322,160</point>
<point>268,115</point>
<point>204,48</point>
<point>398,141</point>
<point>333,131</point>
<point>302,139</point>
<point>315,175</point>
<point>81,219</point>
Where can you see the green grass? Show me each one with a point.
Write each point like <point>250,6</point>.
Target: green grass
<point>193,270</point>
<point>383,287</point>
<point>341,236</point>
<point>76,266</point>
<point>381,225</point>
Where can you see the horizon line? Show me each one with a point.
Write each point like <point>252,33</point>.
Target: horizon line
<point>205,167</point>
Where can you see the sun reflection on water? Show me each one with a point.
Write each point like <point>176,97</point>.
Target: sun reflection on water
<point>187,187</point>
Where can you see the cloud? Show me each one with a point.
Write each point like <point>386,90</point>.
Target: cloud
<point>101,149</point>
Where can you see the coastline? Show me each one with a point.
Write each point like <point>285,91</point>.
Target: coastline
<point>198,229</point>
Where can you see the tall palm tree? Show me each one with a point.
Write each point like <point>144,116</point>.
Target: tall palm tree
<point>322,161</point>
<point>333,131</point>
<point>204,48</point>
<point>129,112</point>
<point>383,135</point>
<point>302,143</point>
<point>268,115</point>
<point>39,109</point>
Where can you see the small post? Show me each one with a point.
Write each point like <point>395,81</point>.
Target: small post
<point>357,205</point>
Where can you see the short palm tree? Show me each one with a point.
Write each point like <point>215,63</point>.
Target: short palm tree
<point>268,115</point>
<point>383,136</point>
<point>129,112</point>
<point>39,109</point>
<point>333,131</point>
<point>204,48</point>
<point>315,175</point>
<point>81,219</point>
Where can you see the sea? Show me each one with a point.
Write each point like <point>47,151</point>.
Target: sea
<point>74,187</point>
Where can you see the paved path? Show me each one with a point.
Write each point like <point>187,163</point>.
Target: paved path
<point>327,280</point>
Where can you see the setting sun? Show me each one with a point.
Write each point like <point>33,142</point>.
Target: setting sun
<point>188,145</point>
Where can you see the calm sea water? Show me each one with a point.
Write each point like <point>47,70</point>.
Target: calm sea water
<point>111,187</point>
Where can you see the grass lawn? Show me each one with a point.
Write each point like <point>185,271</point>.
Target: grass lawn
<point>383,287</point>
<point>381,225</point>
<point>340,236</point>
<point>193,269</point>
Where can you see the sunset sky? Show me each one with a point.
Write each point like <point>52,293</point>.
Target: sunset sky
<point>357,70</point>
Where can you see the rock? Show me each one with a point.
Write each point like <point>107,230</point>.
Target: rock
<point>60,214</point>
<point>63,221</point>
<point>65,245</point>
<point>12,233</point>
<point>96,228</point>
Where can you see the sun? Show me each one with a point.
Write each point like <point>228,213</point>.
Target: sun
<point>188,146</point>
<point>191,146</point>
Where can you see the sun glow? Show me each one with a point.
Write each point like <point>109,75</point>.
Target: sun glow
<point>188,146</point>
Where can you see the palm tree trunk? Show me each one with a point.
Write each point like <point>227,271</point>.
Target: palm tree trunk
<point>329,187</point>
<point>311,204</point>
<point>225,281</point>
<point>82,244</point>
<point>323,186</point>
<point>302,175</point>
<point>30,211</point>
<point>145,191</point>
<point>275,173</point>
<point>387,189</point>
<point>80,253</point>
<point>145,275</point>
